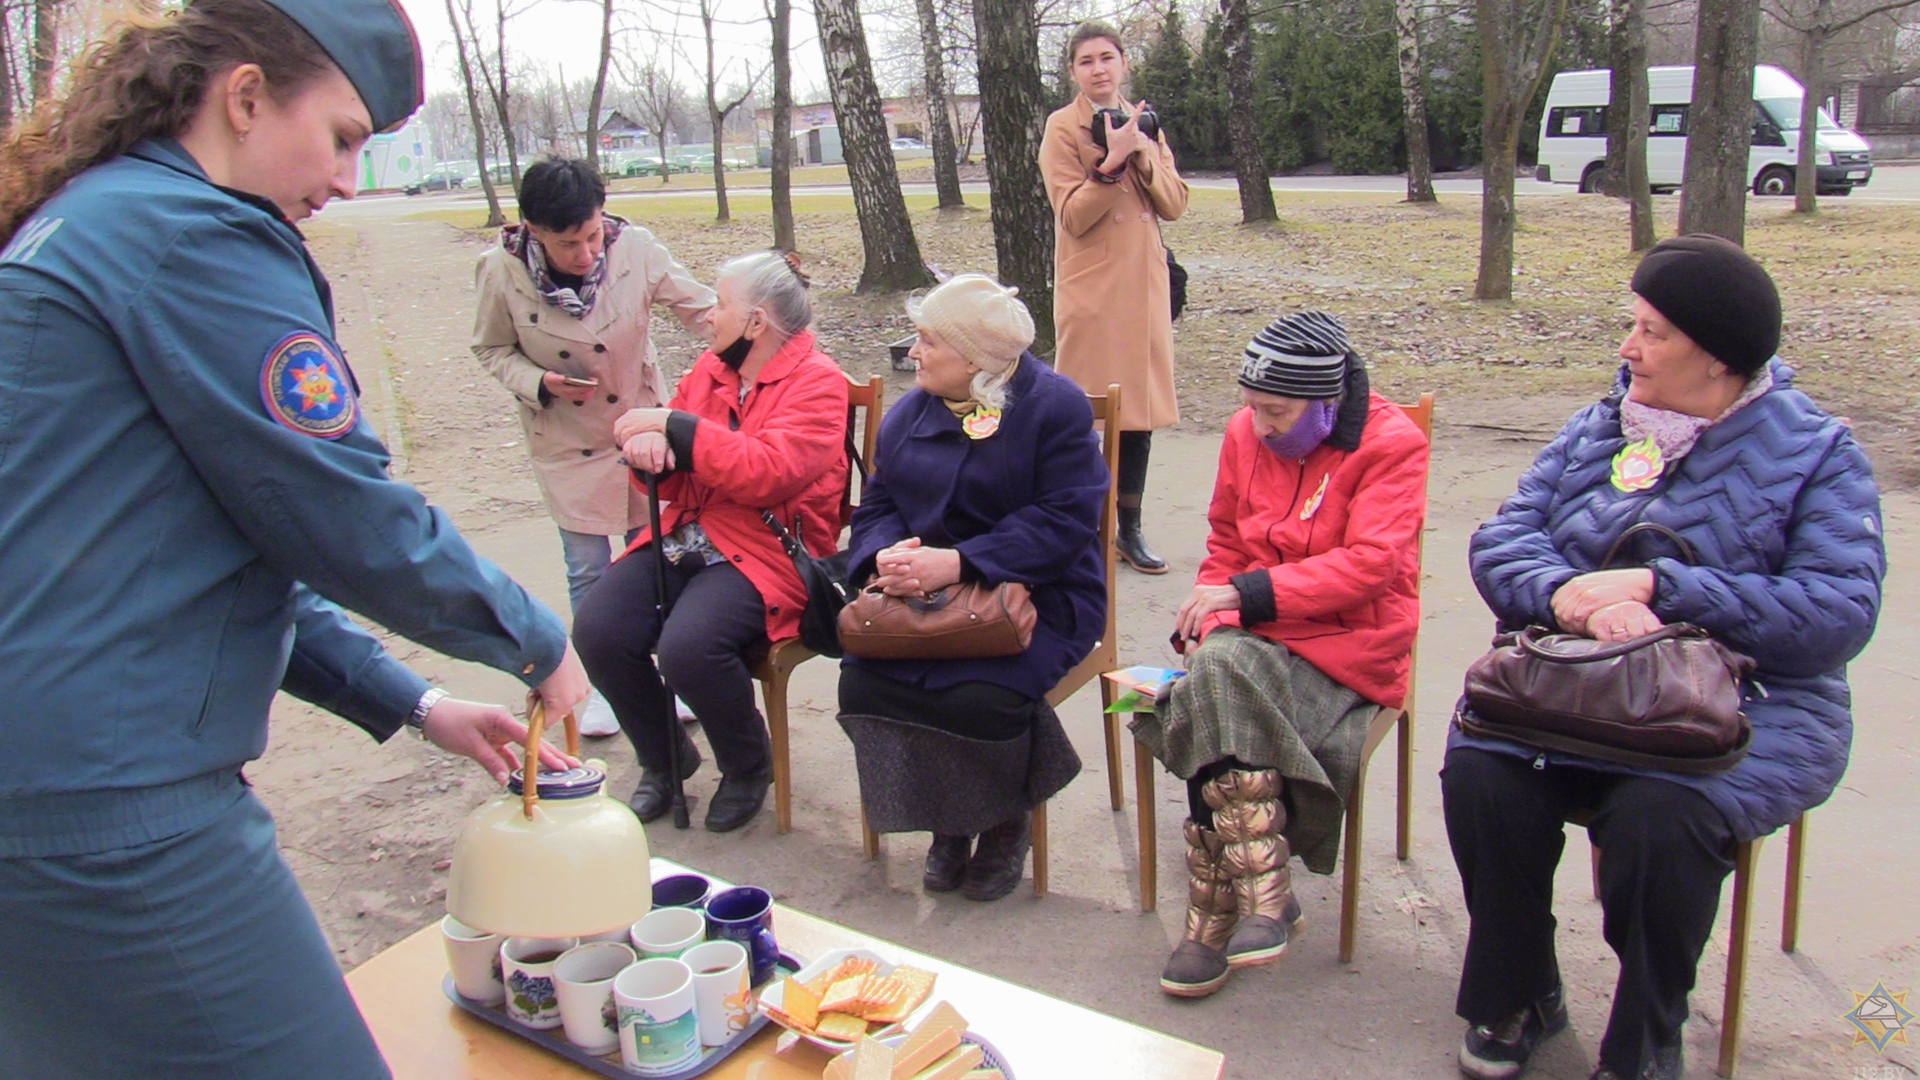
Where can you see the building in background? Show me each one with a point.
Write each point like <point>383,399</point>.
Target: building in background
<point>394,160</point>
<point>816,131</point>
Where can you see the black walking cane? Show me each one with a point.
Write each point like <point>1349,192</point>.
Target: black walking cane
<point>680,818</point>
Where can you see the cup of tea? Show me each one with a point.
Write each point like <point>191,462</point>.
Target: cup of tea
<point>583,981</point>
<point>745,914</point>
<point>527,963</point>
<point>474,958</point>
<point>682,890</point>
<point>659,1031</point>
<point>668,932</point>
<point>722,990</point>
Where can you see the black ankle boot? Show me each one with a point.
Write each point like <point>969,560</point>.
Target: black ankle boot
<point>999,860</point>
<point>946,862</point>
<point>1132,544</point>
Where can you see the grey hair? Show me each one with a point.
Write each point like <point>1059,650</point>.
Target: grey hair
<point>767,281</point>
<point>989,388</point>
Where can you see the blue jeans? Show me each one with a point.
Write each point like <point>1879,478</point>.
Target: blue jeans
<point>588,556</point>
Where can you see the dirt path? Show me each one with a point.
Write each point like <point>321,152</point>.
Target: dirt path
<point>368,828</point>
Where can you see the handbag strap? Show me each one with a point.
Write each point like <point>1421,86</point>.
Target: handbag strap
<point>1613,552</point>
<point>1530,640</point>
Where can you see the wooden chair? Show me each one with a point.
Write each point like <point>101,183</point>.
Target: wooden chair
<point>775,667</point>
<point>1746,856</point>
<point>1384,721</point>
<point>1106,652</point>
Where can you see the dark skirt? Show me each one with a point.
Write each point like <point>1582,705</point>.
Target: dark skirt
<point>958,760</point>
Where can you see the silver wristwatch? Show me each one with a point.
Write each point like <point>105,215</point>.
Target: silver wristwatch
<point>417,720</point>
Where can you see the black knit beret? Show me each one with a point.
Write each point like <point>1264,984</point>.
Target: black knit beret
<point>1717,295</point>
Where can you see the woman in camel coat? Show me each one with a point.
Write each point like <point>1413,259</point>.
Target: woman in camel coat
<point>1112,315</point>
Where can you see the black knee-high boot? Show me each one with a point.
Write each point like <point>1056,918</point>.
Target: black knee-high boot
<point>1135,448</point>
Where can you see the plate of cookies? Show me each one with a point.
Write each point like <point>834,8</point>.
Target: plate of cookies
<point>847,995</point>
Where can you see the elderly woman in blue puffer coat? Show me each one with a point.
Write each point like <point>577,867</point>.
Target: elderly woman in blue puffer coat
<point>1704,435</point>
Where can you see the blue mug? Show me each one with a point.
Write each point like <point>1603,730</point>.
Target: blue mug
<point>745,915</point>
<point>682,890</point>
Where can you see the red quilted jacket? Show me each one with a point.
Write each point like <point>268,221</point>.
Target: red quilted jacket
<point>783,449</point>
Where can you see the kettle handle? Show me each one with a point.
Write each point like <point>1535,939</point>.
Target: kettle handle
<point>530,763</point>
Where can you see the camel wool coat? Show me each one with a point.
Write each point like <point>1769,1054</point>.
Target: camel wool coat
<point>1112,315</point>
<point>518,337</point>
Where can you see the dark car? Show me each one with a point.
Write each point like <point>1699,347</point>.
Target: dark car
<point>437,180</point>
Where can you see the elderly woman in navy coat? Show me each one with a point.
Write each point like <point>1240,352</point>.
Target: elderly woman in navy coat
<point>989,471</point>
<point>1705,436</point>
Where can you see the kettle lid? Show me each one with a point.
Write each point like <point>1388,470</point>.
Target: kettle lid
<point>575,783</point>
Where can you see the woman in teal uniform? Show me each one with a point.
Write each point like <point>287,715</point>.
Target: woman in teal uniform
<point>188,498</point>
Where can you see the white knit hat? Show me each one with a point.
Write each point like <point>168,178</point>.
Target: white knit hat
<point>984,322</point>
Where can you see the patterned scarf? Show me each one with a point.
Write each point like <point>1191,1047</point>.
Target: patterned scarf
<point>1676,432</point>
<point>520,243</point>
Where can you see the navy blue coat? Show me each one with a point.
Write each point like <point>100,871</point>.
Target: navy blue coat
<point>187,491</point>
<point>1023,505</point>
<point>1779,504</point>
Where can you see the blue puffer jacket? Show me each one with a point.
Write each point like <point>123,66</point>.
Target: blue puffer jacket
<point>1779,503</point>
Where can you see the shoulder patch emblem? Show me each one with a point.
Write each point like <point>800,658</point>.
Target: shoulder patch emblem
<point>304,385</point>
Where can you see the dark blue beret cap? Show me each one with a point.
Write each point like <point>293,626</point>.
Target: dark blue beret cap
<point>373,43</point>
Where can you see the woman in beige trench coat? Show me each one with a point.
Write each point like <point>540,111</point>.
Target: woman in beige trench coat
<point>573,349</point>
<point>1112,315</point>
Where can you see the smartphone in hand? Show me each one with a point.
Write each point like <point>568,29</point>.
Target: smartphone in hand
<point>573,380</point>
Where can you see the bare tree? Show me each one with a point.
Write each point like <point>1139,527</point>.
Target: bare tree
<point>498,77</point>
<point>717,112</point>
<point>495,218</point>
<point>1243,124</point>
<point>599,96</point>
<point>893,259</point>
<point>1413,101</point>
<point>658,99</point>
<point>46,47</point>
<point>8,79</point>
<point>946,167</point>
<point>1516,40</point>
<point>780,20</point>
<point>1816,24</point>
<point>1720,120</point>
<point>1013,118</point>
<point>1627,117</point>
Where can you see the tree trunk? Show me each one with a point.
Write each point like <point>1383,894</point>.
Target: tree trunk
<point>6,72</point>
<point>1243,124</point>
<point>1720,121</point>
<point>893,260</point>
<point>783,231</point>
<point>1813,76</point>
<point>495,218</point>
<point>1516,40</point>
<point>1413,97</point>
<point>1613,173</point>
<point>1634,76</point>
<point>946,167</point>
<point>1013,119</point>
<point>46,47</point>
<point>715,119</point>
<point>503,99</point>
<point>599,85</point>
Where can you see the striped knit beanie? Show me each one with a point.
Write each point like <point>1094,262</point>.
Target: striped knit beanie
<point>1303,355</point>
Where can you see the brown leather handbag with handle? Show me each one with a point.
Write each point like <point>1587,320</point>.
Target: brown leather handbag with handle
<point>960,622</point>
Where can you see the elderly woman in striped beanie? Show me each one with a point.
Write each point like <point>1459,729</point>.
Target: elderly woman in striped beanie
<point>1299,627</point>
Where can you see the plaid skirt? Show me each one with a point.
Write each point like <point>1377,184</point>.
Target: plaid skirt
<point>1249,698</point>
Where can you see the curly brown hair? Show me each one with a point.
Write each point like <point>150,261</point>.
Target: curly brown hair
<point>147,78</point>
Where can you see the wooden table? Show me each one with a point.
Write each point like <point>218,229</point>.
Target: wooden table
<point>425,1037</point>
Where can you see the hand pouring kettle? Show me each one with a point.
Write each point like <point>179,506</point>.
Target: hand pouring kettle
<point>557,858</point>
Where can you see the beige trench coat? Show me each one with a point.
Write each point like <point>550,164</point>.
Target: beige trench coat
<point>1112,315</point>
<point>519,337</point>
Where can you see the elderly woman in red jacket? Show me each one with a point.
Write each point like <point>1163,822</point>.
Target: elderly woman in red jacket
<point>758,424</point>
<point>1304,615</point>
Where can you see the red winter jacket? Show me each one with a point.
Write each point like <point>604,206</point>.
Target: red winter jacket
<point>783,449</point>
<point>1338,535</point>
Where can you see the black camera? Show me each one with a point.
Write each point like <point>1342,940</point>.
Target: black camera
<point>1105,119</point>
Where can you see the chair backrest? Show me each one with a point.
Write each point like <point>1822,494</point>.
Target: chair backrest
<point>1421,413</point>
<point>1106,417</point>
<point>866,400</point>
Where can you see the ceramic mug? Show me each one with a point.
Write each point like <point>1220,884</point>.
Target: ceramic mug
<point>527,963</point>
<point>659,1031</point>
<point>474,958</point>
<point>668,932</point>
<point>722,994</point>
<point>682,890</point>
<point>745,915</point>
<point>583,981</point>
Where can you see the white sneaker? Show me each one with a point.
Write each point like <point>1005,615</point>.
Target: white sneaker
<point>684,711</point>
<point>597,719</point>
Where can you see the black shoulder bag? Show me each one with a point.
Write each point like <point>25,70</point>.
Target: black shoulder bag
<point>825,579</point>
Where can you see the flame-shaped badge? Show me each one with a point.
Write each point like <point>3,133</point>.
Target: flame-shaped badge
<point>983,421</point>
<point>1638,466</point>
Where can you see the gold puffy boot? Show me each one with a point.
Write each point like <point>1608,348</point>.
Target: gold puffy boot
<point>1249,818</point>
<point>1198,965</point>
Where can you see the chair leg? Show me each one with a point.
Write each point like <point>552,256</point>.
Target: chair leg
<point>1143,764</point>
<point>1350,872</point>
<point>1040,850</point>
<point>1116,786</point>
<point>1405,825</point>
<point>1734,1006</point>
<point>1796,853</point>
<point>775,692</point>
<point>869,840</point>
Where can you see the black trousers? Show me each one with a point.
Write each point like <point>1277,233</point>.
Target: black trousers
<point>1665,851</point>
<point>714,616</point>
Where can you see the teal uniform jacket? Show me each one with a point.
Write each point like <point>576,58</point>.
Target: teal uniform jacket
<point>187,491</point>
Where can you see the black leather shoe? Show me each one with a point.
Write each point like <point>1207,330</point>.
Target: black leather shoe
<point>946,862</point>
<point>999,860</point>
<point>654,796</point>
<point>737,800</point>
<point>1132,545</point>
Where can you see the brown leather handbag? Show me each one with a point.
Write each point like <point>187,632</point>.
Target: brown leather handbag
<point>968,621</point>
<point>1667,700</point>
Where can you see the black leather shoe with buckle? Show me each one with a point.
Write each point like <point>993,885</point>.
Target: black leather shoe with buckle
<point>738,800</point>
